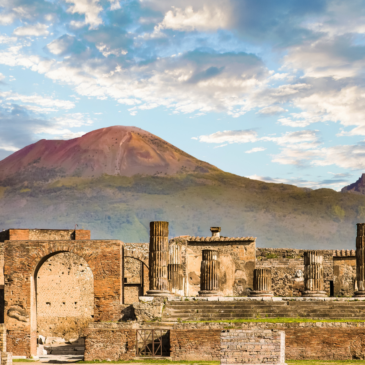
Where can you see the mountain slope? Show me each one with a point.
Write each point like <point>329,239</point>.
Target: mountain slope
<point>56,188</point>
<point>117,150</point>
<point>357,187</point>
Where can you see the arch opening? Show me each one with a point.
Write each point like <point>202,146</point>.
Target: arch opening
<point>135,278</point>
<point>64,303</point>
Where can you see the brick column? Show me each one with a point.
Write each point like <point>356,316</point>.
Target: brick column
<point>209,274</point>
<point>313,275</point>
<point>261,283</point>
<point>360,260</point>
<point>158,255</point>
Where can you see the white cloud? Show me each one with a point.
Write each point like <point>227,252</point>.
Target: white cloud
<point>38,100</point>
<point>91,9</point>
<point>60,45</point>
<point>32,30</point>
<point>206,18</point>
<point>73,120</point>
<point>271,110</point>
<point>7,19</point>
<point>8,147</point>
<point>256,149</point>
<point>242,136</point>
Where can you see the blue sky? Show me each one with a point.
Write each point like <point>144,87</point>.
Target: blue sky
<point>272,90</point>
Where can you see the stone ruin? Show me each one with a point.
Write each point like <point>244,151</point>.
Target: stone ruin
<point>56,286</point>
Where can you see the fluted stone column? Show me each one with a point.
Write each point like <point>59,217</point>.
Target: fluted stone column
<point>175,270</point>
<point>261,283</point>
<point>209,285</point>
<point>158,259</point>
<point>360,260</point>
<point>313,275</point>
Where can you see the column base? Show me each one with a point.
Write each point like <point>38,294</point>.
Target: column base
<point>158,293</point>
<point>359,294</point>
<point>208,293</point>
<point>258,293</point>
<point>314,294</point>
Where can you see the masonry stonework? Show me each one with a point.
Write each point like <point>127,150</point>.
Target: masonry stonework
<point>252,347</point>
<point>287,267</point>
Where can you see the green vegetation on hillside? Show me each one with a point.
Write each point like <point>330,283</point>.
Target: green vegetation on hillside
<point>121,207</point>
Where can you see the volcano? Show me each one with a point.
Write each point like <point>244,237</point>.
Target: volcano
<point>118,150</point>
<point>115,180</point>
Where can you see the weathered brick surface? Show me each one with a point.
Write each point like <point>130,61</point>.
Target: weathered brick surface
<point>325,343</point>
<point>195,344</point>
<point>252,347</point>
<point>304,341</point>
<point>65,296</point>
<point>344,275</point>
<point>110,344</point>
<point>44,234</point>
<point>22,261</point>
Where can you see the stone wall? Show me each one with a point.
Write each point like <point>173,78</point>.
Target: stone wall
<point>252,347</point>
<point>195,345</point>
<point>65,296</point>
<point>236,264</point>
<point>287,268</point>
<point>344,275</point>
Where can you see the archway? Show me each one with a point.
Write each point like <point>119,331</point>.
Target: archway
<point>135,279</point>
<point>23,259</point>
<point>64,286</point>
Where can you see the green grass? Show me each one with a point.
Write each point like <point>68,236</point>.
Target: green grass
<point>164,361</point>
<point>152,361</point>
<point>323,362</point>
<point>24,360</point>
<point>278,320</point>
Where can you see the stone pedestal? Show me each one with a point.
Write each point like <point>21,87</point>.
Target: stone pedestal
<point>209,274</point>
<point>158,259</point>
<point>360,260</point>
<point>261,283</point>
<point>313,275</point>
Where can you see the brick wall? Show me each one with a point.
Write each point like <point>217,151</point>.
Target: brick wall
<point>44,234</point>
<point>252,347</point>
<point>65,296</point>
<point>195,345</point>
<point>287,269</point>
<point>325,343</point>
<point>109,344</point>
<point>304,341</point>
<point>21,261</point>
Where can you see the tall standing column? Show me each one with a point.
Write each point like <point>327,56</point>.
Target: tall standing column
<point>313,275</point>
<point>261,283</point>
<point>158,255</point>
<point>209,285</point>
<point>360,260</point>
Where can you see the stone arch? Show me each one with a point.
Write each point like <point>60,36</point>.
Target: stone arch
<point>22,262</point>
<point>138,255</point>
<point>134,290</point>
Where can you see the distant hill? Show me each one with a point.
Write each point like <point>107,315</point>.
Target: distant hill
<point>357,187</point>
<point>115,180</point>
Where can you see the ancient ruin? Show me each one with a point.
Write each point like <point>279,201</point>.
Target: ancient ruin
<point>62,291</point>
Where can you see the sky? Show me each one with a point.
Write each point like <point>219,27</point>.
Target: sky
<point>271,90</point>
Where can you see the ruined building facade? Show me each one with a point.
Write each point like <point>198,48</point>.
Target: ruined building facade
<point>54,283</point>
